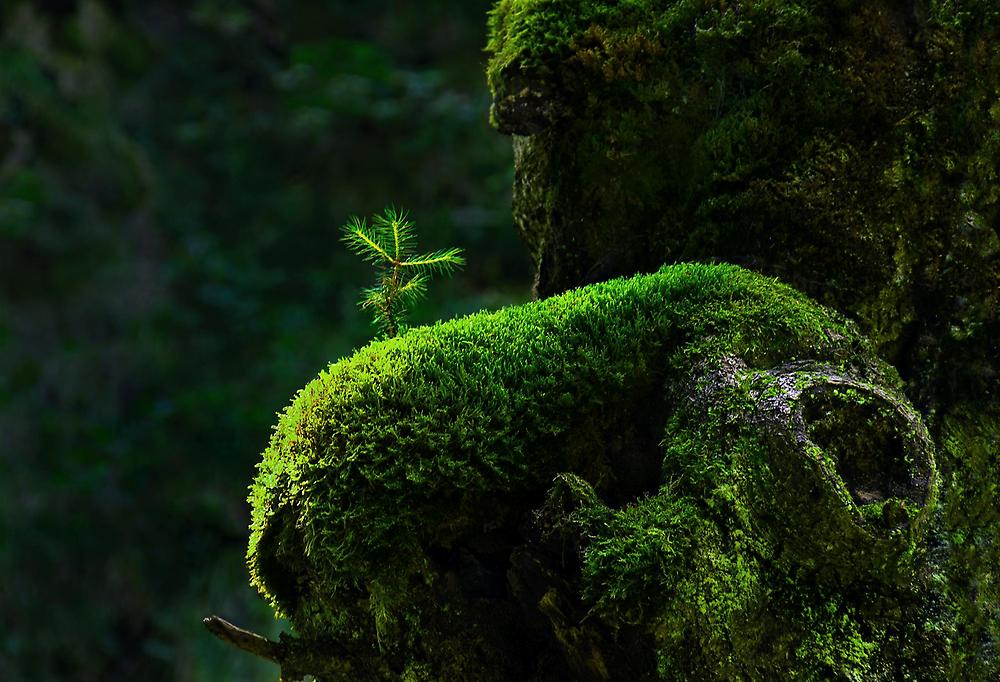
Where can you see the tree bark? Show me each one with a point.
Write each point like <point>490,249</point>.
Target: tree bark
<point>851,150</point>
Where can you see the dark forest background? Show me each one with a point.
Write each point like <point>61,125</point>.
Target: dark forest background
<point>173,176</point>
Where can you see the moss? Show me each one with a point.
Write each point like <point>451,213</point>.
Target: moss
<point>462,502</point>
<point>849,148</point>
<point>970,451</point>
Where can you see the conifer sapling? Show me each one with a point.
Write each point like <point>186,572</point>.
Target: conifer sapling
<point>389,243</point>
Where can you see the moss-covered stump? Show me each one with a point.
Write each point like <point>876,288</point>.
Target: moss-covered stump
<point>851,148</point>
<point>698,474</point>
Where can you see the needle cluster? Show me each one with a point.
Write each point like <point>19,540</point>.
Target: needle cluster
<point>389,244</point>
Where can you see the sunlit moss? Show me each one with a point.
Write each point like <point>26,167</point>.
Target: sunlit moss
<point>849,148</point>
<point>651,431</point>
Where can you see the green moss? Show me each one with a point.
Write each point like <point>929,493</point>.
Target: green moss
<point>405,511</point>
<point>971,453</point>
<point>528,34</point>
<point>847,147</point>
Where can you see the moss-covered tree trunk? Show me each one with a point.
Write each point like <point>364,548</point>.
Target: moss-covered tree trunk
<point>851,149</point>
<point>697,474</point>
<point>700,474</point>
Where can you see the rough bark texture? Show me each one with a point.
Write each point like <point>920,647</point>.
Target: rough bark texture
<point>851,149</point>
<point>698,474</point>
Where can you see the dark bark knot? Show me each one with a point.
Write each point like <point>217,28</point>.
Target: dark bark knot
<point>837,442</point>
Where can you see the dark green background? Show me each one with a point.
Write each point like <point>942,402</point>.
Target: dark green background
<point>172,179</point>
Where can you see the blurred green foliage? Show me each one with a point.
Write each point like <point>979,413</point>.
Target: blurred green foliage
<point>171,179</point>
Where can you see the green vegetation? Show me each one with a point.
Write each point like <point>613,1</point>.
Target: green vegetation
<point>388,244</point>
<point>695,459</point>
<point>970,443</point>
<point>848,148</point>
<point>697,473</point>
<point>785,136</point>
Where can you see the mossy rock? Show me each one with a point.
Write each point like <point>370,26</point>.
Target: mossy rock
<point>696,474</point>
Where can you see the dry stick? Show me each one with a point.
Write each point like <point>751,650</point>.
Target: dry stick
<point>244,639</point>
<point>295,663</point>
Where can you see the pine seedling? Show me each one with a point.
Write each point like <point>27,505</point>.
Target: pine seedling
<point>389,243</point>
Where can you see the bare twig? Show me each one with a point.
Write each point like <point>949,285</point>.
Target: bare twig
<point>244,639</point>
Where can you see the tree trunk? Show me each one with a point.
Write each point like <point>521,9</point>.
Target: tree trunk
<point>698,474</point>
<point>851,150</point>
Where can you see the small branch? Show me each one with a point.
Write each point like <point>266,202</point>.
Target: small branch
<point>298,659</point>
<point>244,639</point>
<point>374,246</point>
